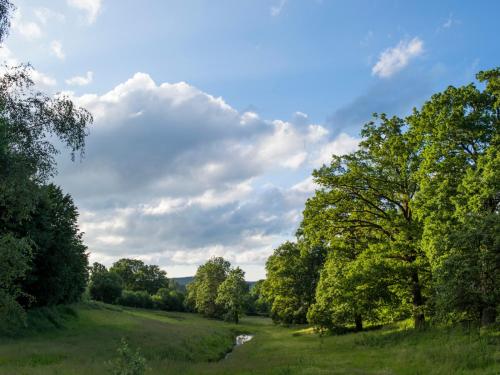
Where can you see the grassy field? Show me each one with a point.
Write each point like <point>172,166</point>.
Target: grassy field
<point>181,343</point>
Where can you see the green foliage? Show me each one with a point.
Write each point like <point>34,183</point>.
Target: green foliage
<point>138,276</point>
<point>257,303</point>
<point>353,291</point>
<point>32,118</point>
<point>367,198</point>
<point>459,134</point>
<point>217,291</point>
<point>129,362</point>
<point>133,298</point>
<point>292,275</point>
<point>15,257</point>
<point>468,278</point>
<point>104,286</point>
<point>231,294</point>
<point>31,123</point>
<point>410,219</point>
<point>58,273</point>
<point>202,292</point>
<point>168,299</point>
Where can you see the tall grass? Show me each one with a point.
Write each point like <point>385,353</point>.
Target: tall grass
<point>83,339</point>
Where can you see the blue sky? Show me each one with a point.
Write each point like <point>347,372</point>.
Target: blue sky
<point>207,151</point>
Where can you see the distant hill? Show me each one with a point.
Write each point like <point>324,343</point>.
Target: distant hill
<point>183,281</point>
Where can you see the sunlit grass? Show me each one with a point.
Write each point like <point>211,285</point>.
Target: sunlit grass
<point>182,343</point>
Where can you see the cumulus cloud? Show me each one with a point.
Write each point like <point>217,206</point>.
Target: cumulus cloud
<point>57,49</point>
<point>394,59</point>
<point>174,175</point>
<point>81,80</point>
<point>92,8</point>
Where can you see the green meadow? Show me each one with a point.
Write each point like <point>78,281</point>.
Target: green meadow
<point>84,338</point>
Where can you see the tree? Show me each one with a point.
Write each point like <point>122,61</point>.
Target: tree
<point>458,131</point>
<point>371,192</point>
<point>169,300</point>
<point>6,9</point>
<point>354,287</point>
<point>202,292</point>
<point>58,272</point>
<point>232,293</point>
<point>132,298</point>
<point>15,255</point>
<point>138,276</point>
<point>30,125</point>
<point>104,286</point>
<point>97,268</point>
<point>257,302</point>
<point>291,278</point>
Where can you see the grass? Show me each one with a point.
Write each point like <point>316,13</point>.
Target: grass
<point>83,339</point>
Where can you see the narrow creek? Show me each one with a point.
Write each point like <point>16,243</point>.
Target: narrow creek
<point>239,340</point>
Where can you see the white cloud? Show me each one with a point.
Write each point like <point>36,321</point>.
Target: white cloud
<point>306,186</point>
<point>7,57</point>
<point>178,175</point>
<point>81,80</point>
<point>278,8</point>
<point>41,79</point>
<point>92,8</point>
<point>392,60</point>
<point>341,145</point>
<point>111,240</point>
<point>45,15</point>
<point>28,29</point>
<point>57,50</point>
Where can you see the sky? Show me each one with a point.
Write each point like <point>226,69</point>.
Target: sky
<point>210,116</point>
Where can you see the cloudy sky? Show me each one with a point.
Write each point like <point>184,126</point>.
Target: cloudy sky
<point>211,115</point>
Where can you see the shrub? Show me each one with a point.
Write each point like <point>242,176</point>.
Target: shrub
<point>105,287</point>
<point>135,299</point>
<point>169,300</point>
<point>128,361</point>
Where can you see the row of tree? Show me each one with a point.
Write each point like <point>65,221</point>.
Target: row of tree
<point>130,282</point>
<point>407,225</point>
<point>217,290</point>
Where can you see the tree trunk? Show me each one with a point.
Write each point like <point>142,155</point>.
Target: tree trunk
<point>418,302</point>
<point>359,323</point>
<point>488,315</point>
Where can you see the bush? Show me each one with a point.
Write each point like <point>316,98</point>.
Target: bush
<point>128,362</point>
<point>168,300</point>
<point>13,316</point>
<point>135,299</point>
<point>105,287</point>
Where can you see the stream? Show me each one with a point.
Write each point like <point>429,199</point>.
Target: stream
<point>240,340</point>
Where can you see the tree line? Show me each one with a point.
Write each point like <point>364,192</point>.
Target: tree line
<point>406,226</point>
<point>217,290</point>
<point>130,282</point>
<point>43,260</point>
